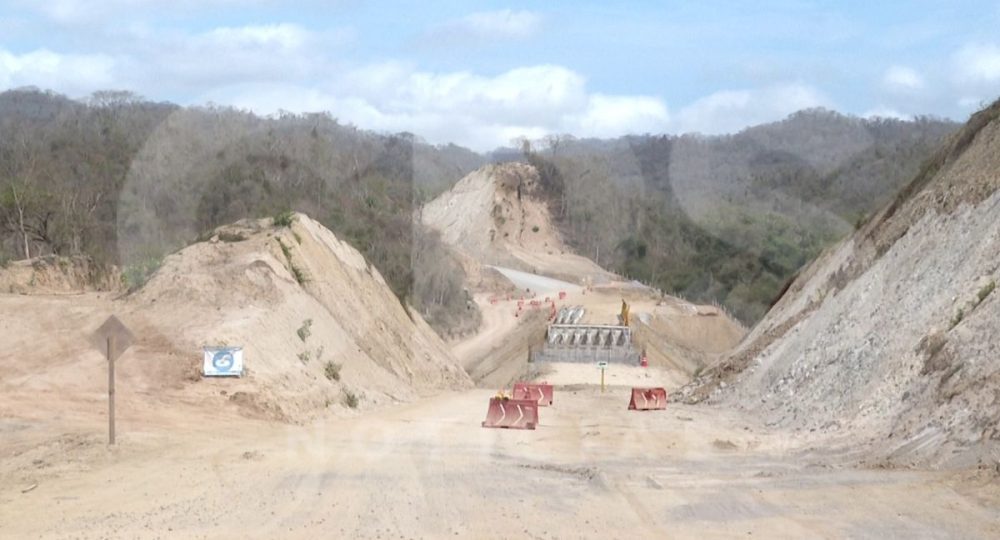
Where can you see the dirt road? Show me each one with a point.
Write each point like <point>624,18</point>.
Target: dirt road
<point>428,470</point>
<point>535,282</point>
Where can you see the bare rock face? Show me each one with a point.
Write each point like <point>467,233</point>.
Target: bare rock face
<point>891,339</point>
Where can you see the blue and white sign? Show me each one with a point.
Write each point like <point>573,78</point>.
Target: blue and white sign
<point>223,362</point>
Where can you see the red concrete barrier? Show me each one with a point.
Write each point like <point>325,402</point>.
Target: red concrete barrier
<point>511,413</point>
<point>648,399</point>
<point>541,393</point>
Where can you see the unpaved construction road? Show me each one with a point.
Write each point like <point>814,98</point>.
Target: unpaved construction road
<point>428,470</point>
<point>535,282</point>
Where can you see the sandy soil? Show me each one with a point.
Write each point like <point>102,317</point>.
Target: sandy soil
<point>570,373</point>
<point>428,470</point>
<point>191,463</point>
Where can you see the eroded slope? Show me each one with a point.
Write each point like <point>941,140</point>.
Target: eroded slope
<point>890,339</point>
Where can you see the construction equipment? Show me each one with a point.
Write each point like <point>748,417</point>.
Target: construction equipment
<point>648,399</point>
<point>511,413</point>
<point>541,393</point>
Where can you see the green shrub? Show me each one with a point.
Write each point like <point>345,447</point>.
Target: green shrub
<point>350,399</point>
<point>959,315</point>
<point>304,331</point>
<point>287,251</point>
<point>284,219</point>
<point>297,272</point>
<point>204,236</point>
<point>136,275</point>
<point>299,275</point>
<point>304,357</point>
<point>534,229</point>
<point>332,371</point>
<point>860,222</point>
<point>986,290</point>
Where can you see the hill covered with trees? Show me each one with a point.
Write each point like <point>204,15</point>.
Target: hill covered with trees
<point>126,181</point>
<point>728,218</point>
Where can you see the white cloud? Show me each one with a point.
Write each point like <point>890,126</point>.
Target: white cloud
<point>75,74</point>
<point>482,112</point>
<point>978,63</point>
<point>284,36</point>
<point>486,26</point>
<point>729,111</point>
<point>886,112</point>
<point>504,23</point>
<point>75,12</point>
<point>610,116</point>
<point>972,103</point>
<point>227,56</point>
<point>901,79</point>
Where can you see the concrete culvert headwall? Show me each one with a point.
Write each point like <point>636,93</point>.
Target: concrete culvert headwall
<point>587,343</point>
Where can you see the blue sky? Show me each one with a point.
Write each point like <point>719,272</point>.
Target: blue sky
<point>483,73</point>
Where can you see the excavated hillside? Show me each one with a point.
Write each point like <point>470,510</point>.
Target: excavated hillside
<point>889,341</point>
<point>496,216</point>
<point>57,275</point>
<point>321,332</point>
<point>297,298</point>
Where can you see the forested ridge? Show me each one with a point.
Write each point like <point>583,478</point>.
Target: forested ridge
<point>728,219</point>
<point>126,181</point>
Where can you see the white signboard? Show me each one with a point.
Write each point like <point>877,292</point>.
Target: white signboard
<point>602,365</point>
<point>223,362</point>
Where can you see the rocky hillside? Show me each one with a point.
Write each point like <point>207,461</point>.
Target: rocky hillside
<point>891,337</point>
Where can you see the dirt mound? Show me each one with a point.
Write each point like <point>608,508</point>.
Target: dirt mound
<point>57,275</point>
<point>890,338</point>
<point>299,301</point>
<point>496,216</point>
<point>321,331</point>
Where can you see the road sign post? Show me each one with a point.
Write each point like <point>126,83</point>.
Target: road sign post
<point>114,338</point>
<point>602,366</point>
<point>111,391</point>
